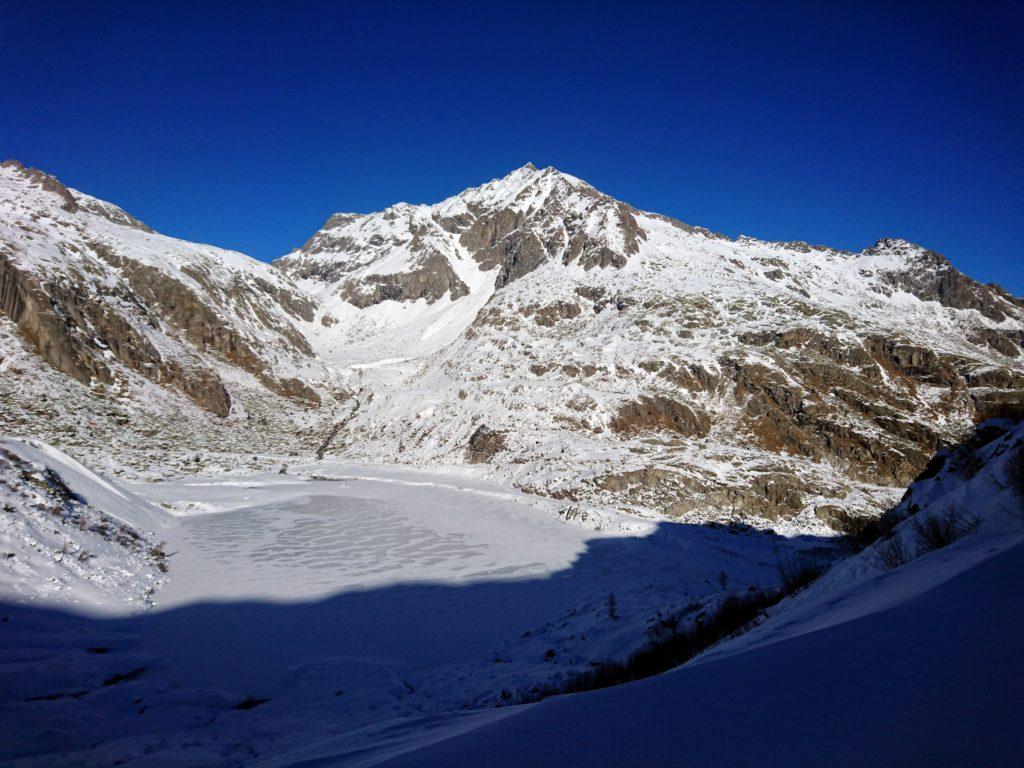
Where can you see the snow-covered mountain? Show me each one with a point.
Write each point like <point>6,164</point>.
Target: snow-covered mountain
<point>558,338</point>
<point>120,340</point>
<point>598,353</point>
<point>529,335</point>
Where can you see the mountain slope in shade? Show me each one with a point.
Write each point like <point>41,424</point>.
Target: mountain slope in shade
<point>924,658</point>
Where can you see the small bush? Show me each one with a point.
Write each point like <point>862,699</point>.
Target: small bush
<point>796,574</point>
<point>892,554</point>
<point>1015,475</point>
<point>613,607</point>
<point>669,646</point>
<point>969,465</point>
<point>860,533</point>
<point>936,531</point>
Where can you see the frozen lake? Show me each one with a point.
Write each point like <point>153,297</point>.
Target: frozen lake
<point>275,538</point>
<point>355,605</point>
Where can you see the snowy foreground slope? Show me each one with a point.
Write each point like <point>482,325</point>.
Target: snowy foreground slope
<point>876,664</point>
<point>346,615</point>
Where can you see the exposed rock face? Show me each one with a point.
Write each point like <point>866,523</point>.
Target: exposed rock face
<point>484,445</point>
<point>96,293</point>
<point>931,277</point>
<point>509,228</point>
<point>659,414</point>
<point>998,405</point>
<point>998,341</point>
<point>77,335</point>
<point>431,280</point>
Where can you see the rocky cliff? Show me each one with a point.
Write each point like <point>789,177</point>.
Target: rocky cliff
<point>129,314</point>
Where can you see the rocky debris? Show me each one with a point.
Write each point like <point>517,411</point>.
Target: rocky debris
<point>484,444</point>
<point>593,293</point>
<point>292,388</point>
<point>659,413</point>
<point>550,314</point>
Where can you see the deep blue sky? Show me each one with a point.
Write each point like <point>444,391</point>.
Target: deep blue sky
<point>247,124</point>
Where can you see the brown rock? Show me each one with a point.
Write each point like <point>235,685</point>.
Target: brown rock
<point>484,444</point>
<point>659,413</point>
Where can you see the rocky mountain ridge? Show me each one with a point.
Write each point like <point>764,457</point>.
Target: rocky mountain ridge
<point>533,326</point>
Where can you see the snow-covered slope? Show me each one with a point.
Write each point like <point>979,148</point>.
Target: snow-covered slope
<point>142,334</point>
<point>71,537</point>
<point>342,602</point>
<point>347,615</point>
<point>915,661</point>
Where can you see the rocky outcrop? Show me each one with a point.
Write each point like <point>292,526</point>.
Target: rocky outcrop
<point>1000,342</point>
<point>995,404</point>
<point>431,280</point>
<point>45,182</point>
<point>659,413</point>
<point>513,255</point>
<point>808,412</point>
<point>931,277</point>
<point>550,314</point>
<point>76,335</point>
<point>484,444</point>
<point>769,495</point>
